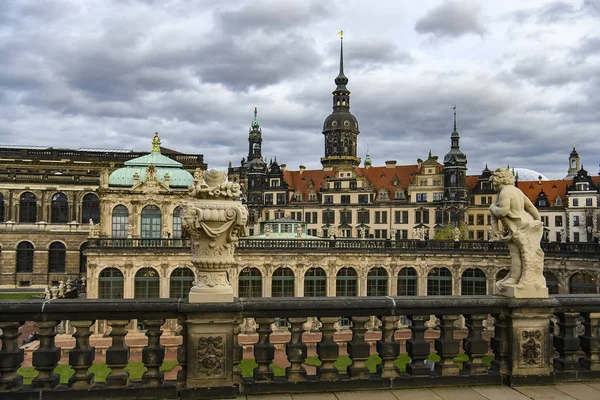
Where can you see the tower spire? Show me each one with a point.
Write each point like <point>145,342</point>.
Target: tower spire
<point>454,108</point>
<point>341,80</point>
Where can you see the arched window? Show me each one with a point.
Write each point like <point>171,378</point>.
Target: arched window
<point>110,284</point>
<point>551,282</point>
<point>120,221</point>
<point>439,282</point>
<point>407,282</point>
<point>502,274</point>
<point>147,284</point>
<point>377,282</point>
<point>473,282</point>
<point>583,283</point>
<point>283,283</point>
<point>250,283</point>
<point>177,228</point>
<point>90,209</point>
<point>28,207</point>
<point>315,283</point>
<point>83,259</point>
<point>346,282</point>
<point>59,209</point>
<point>181,282</point>
<point>25,251</point>
<point>1,208</point>
<point>151,223</point>
<point>56,257</point>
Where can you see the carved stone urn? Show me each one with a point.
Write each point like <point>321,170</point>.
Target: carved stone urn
<point>214,220</point>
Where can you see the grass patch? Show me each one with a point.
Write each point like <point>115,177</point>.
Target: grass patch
<point>247,365</point>
<point>17,296</point>
<point>100,371</point>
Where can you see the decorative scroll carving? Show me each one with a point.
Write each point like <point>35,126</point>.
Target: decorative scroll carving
<point>211,356</point>
<point>531,348</point>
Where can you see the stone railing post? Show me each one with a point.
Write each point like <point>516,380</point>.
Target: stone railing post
<point>82,356</point>
<point>11,356</point>
<point>46,357</point>
<point>214,221</point>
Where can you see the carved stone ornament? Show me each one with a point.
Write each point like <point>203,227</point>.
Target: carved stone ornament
<point>531,348</point>
<point>211,356</point>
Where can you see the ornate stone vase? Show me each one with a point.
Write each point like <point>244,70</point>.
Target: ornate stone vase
<point>214,221</point>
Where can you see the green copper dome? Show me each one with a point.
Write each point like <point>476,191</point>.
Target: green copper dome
<point>178,177</point>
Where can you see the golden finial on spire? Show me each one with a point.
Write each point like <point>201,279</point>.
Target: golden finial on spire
<point>341,33</point>
<point>156,142</point>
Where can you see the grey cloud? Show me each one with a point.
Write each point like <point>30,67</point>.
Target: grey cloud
<point>272,16</point>
<point>452,18</point>
<point>369,52</point>
<point>544,72</point>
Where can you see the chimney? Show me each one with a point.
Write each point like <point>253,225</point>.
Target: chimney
<point>302,168</point>
<point>283,167</point>
<point>419,162</point>
<point>390,164</point>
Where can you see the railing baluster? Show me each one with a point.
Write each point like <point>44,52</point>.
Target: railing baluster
<point>296,351</point>
<point>474,344</point>
<point>81,357</point>
<point>417,347</point>
<point>181,353</point>
<point>590,341</point>
<point>264,351</point>
<point>11,356</point>
<point>388,348</point>
<point>328,350</point>
<point>117,355</point>
<point>446,346</point>
<point>238,352</point>
<point>566,343</point>
<point>46,357</point>
<point>358,349</point>
<point>153,354</point>
<point>500,345</point>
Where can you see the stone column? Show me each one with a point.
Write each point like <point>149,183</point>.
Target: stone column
<point>214,222</point>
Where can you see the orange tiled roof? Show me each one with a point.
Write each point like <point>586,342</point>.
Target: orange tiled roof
<point>472,181</point>
<point>553,189</point>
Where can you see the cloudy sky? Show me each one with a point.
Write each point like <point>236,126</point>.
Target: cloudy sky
<point>525,76</point>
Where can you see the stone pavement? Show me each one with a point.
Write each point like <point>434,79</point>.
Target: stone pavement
<point>562,391</point>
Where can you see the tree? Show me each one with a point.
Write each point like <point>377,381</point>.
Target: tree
<point>447,233</point>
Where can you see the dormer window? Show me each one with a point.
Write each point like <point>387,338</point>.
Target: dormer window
<point>558,202</point>
<point>274,182</point>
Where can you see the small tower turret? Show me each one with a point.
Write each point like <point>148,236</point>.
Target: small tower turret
<point>574,164</point>
<point>456,198</point>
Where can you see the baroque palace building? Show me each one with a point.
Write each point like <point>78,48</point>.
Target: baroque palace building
<point>374,225</point>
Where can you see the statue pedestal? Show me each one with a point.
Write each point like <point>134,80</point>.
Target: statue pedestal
<point>212,287</point>
<point>528,292</point>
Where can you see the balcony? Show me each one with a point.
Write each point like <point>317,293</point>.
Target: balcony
<point>497,345</point>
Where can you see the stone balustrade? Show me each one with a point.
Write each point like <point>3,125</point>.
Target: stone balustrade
<point>362,245</point>
<point>532,341</point>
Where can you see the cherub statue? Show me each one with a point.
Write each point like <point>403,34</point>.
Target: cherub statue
<point>299,231</point>
<point>522,231</point>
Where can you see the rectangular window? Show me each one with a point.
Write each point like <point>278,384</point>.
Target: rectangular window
<point>480,235</point>
<point>353,185</point>
<point>588,202</point>
<point>545,220</point>
<point>404,219</point>
<point>345,199</point>
<point>274,182</point>
<point>558,220</point>
<point>328,199</point>
<point>575,202</point>
<point>279,214</point>
<point>381,217</point>
<point>267,216</point>
<point>422,216</point>
<point>488,219</point>
<point>328,217</point>
<point>312,197</point>
<point>576,237</point>
<point>380,233</point>
<point>558,237</point>
<point>345,217</point>
<point>337,185</point>
<point>471,235</point>
<point>397,217</point>
<point>363,217</point>
<point>575,220</point>
<point>438,216</point>
<point>403,234</point>
<point>363,199</point>
<point>471,220</point>
<point>421,197</point>
<point>298,197</point>
<point>280,198</point>
<point>268,198</point>
<point>480,219</point>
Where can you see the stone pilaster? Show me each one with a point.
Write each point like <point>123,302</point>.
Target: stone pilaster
<point>530,343</point>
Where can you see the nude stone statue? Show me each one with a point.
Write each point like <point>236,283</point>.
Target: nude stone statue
<point>522,231</point>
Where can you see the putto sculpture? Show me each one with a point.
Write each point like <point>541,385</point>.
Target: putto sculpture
<point>522,230</point>
<point>214,222</point>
